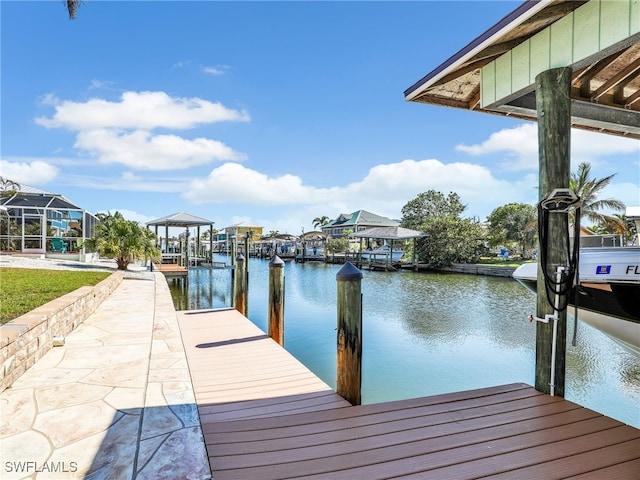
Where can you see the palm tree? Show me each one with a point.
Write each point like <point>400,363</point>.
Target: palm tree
<point>588,189</point>
<point>72,8</point>
<point>320,221</point>
<point>8,187</point>
<point>124,240</point>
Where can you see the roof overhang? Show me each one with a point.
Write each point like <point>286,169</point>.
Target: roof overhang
<point>389,233</point>
<point>496,72</point>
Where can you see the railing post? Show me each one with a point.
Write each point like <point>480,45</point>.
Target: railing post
<point>240,285</point>
<point>276,299</point>
<point>349,333</point>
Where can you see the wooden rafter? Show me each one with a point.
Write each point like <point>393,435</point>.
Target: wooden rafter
<point>617,79</point>
<point>592,71</point>
<point>632,99</point>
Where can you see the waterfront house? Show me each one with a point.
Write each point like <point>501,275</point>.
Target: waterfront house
<point>238,233</point>
<point>356,222</point>
<point>35,221</point>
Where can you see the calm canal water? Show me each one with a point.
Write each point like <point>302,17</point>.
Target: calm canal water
<point>427,333</point>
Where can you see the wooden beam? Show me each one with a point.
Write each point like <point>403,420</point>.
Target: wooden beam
<point>475,99</point>
<point>632,99</point>
<point>592,71</point>
<point>553,105</point>
<point>617,79</point>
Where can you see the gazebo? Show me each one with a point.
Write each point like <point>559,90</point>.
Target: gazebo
<point>180,220</point>
<point>391,234</point>
<point>34,221</point>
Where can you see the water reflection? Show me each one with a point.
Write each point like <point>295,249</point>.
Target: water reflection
<point>426,334</point>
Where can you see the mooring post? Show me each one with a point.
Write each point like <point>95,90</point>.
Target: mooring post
<point>349,371</point>
<point>276,299</point>
<point>240,285</point>
<point>553,105</point>
<point>246,271</point>
<point>232,253</point>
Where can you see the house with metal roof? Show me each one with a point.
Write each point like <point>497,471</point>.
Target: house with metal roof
<point>34,221</point>
<point>356,222</point>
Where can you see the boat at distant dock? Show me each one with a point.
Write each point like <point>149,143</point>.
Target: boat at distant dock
<point>383,254</point>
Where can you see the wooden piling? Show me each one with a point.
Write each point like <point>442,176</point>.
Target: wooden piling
<point>349,333</point>
<point>240,288</point>
<point>246,271</point>
<point>553,103</point>
<point>276,300</point>
<point>232,254</point>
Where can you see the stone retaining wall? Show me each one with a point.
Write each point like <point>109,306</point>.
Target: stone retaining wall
<point>475,269</point>
<point>25,340</point>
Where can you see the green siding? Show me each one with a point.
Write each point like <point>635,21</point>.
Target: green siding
<point>488,84</point>
<point>614,22</point>
<point>561,42</point>
<point>590,28</point>
<point>586,27</point>
<point>520,67</point>
<point>540,46</point>
<point>503,72</point>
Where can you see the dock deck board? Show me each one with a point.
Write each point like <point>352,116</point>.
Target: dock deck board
<point>265,416</point>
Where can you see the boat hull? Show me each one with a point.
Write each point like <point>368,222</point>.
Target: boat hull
<point>383,254</point>
<point>609,300</point>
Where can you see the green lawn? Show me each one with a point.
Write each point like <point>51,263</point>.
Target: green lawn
<point>24,289</point>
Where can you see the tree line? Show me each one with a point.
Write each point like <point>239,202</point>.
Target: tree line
<point>452,238</point>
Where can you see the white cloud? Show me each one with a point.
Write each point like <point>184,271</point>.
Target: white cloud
<point>235,183</point>
<point>143,151</point>
<point>520,146</point>
<point>100,84</point>
<point>128,182</point>
<point>384,190</point>
<point>626,192</point>
<point>216,70</point>
<point>130,215</point>
<point>138,110</point>
<point>30,173</point>
<point>121,132</point>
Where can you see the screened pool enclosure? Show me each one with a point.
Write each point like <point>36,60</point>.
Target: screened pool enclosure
<point>34,221</point>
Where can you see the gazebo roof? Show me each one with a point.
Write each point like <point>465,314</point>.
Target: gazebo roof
<point>495,73</point>
<point>180,220</point>
<point>389,233</point>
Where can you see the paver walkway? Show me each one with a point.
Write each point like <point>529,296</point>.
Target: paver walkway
<point>115,402</point>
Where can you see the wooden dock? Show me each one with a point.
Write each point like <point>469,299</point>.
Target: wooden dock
<point>171,271</point>
<point>265,416</point>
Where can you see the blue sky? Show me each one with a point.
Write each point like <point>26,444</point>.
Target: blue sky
<point>272,113</point>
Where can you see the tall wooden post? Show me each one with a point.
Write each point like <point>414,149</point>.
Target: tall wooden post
<point>211,244</point>
<point>349,369</point>
<point>276,299</point>
<point>553,103</point>
<point>240,285</point>
<point>166,237</point>
<point>232,253</point>
<point>186,248</point>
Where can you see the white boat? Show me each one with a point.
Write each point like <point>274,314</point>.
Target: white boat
<point>383,254</point>
<point>608,292</point>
